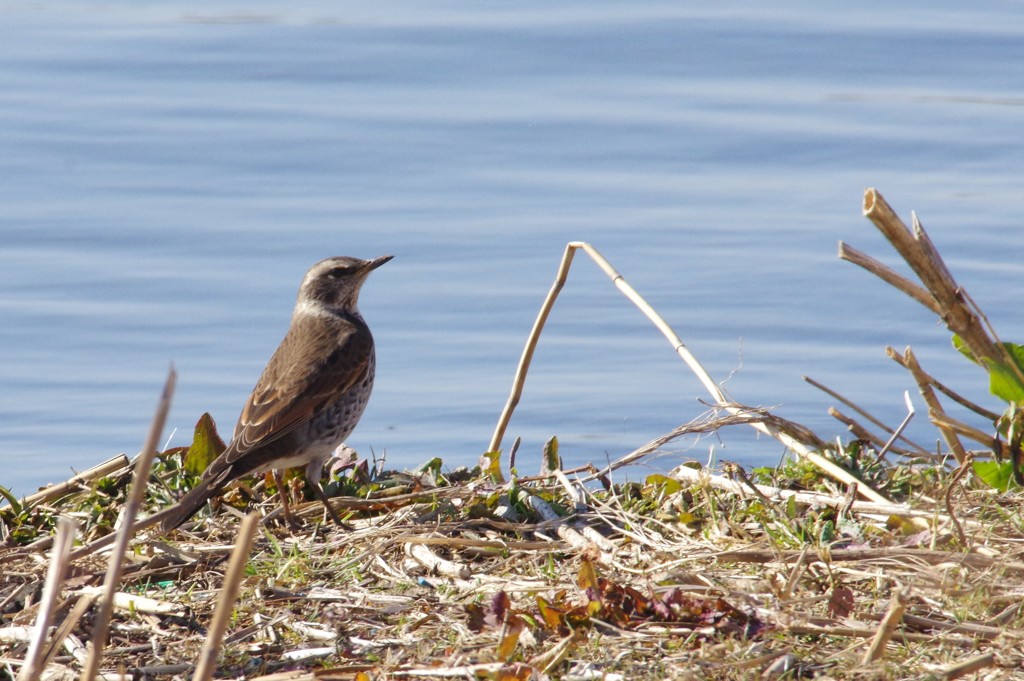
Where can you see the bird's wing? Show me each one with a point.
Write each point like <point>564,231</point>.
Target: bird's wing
<point>293,389</point>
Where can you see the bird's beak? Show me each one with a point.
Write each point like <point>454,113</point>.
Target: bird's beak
<point>377,262</point>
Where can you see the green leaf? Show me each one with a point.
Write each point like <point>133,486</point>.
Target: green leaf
<point>996,475</point>
<point>1005,379</point>
<point>551,461</point>
<point>490,465</point>
<point>961,347</point>
<point>1016,353</point>
<point>11,499</point>
<point>206,446</point>
<point>1004,383</point>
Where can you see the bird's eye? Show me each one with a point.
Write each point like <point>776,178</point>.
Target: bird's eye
<point>336,273</point>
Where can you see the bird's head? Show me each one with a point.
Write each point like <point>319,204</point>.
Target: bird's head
<point>334,283</point>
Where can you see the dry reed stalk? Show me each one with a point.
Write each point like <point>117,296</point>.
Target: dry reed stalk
<point>721,399</point>
<point>47,494</point>
<point>567,533</point>
<point>435,563</point>
<point>808,498</point>
<point>860,632</point>
<point>888,555</point>
<point>897,281</point>
<point>33,666</point>
<point>949,301</point>
<point>954,484</point>
<point>226,602</point>
<point>858,431</point>
<point>125,533</point>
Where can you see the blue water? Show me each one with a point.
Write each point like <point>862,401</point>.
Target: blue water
<point>168,173</point>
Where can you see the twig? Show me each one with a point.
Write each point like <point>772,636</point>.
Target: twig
<point>889,276</point>
<point>858,431</point>
<point>953,484</point>
<point>135,497</point>
<point>866,414</point>
<point>954,306</point>
<point>901,427</point>
<point>226,603</point>
<point>435,563</point>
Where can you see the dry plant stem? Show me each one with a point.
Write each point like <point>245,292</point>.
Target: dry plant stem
<point>721,399</point>
<point>702,424</point>
<point>857,632</point>
<point>531,346</point>
<point>866,414</point>
<point>436,564</point>
<point>898,281</point>
<point>125,533</point>
<point>900,428</point>
<point>965,430</point>
<point>944,389</point>
<point>917,249</point>
<point>228,594</point>
<point>859,431</point>
<point>33,666</point>
<point>701,477</point>
<point>63,632</point>
<point>954,484</point>
<point>52,492</point>
<point>934,406</point>
<point>888,625</point>
<point>971,666</point>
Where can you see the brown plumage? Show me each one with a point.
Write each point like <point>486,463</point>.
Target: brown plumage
<point>311,394</point>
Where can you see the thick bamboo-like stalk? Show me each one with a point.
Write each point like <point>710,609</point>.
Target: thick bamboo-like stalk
<point>955,307</point>
<point>226,602</point>
<point>125,533</point>
<point>721,399</point>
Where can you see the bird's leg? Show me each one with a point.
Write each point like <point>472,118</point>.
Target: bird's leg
<point>283,493</point>
<point>314,469</point>
<point>330,509</point>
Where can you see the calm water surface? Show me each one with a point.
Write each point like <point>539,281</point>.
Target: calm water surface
<point>168,173</point>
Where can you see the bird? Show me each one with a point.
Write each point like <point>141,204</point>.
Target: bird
<point>309,397</point>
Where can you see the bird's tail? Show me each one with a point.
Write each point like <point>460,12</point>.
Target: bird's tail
<point>187,506</point>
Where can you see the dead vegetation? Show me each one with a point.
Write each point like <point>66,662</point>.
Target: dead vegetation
<point>874,558</point>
